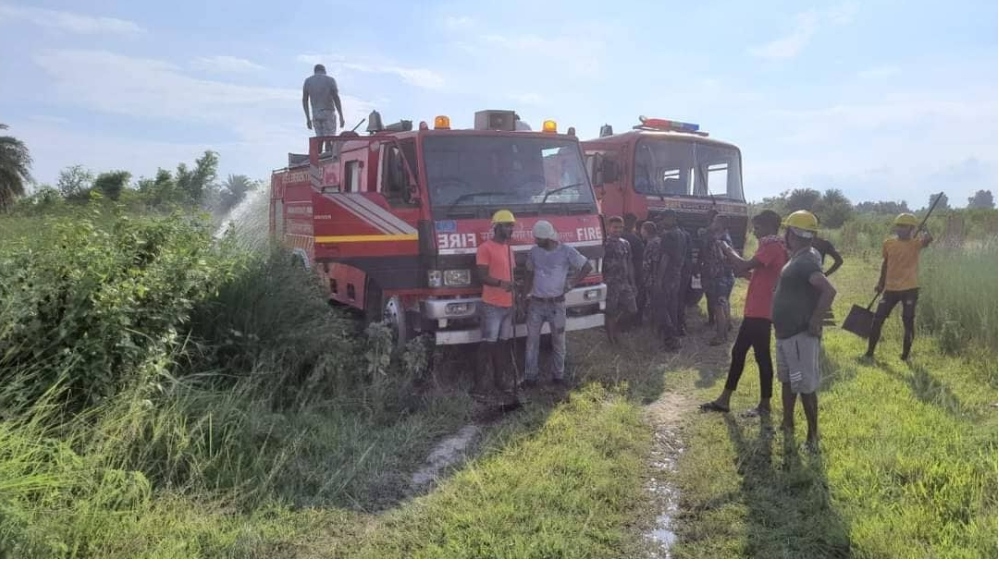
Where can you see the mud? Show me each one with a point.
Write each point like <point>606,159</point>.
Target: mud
<point>448,452</point>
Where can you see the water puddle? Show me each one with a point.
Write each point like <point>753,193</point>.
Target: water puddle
<point>446,453</point>
<point>665,416</point>
<point>667,497</point>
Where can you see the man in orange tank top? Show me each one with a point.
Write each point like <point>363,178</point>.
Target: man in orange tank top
<point>494,261</point>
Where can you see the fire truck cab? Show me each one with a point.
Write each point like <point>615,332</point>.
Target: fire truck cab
<point>663,164</point>
<point>391,225</point>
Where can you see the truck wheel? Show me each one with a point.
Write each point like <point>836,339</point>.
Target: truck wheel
<point>378,308</point>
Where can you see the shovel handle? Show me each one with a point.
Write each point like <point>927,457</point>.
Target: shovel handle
<point>873,300</point>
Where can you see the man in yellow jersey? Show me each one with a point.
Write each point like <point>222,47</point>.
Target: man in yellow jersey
<point>899,280</point>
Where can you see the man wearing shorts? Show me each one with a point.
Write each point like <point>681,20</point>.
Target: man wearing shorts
<point>800,302</point>
<point>494,261</point>
<point>619,276</point>
<point>321,92</point>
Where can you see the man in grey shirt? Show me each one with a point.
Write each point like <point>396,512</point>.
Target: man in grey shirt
<point>548,266</point>
<point>321,92</point>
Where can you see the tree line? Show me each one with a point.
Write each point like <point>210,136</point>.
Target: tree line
<point>834,209</point>
<point>195,186</point>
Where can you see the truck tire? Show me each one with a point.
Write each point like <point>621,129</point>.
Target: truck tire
<point>379,308</point>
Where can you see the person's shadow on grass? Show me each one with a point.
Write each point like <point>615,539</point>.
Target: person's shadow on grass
<point>789,514</point>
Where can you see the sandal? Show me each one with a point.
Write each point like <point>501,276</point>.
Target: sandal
<point>712,406</point>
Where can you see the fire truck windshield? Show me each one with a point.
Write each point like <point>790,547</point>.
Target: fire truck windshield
<point>504,170</point>
<point>688,168</point>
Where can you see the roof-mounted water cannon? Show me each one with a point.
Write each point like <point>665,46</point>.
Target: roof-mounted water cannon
<point>496,120</point>
<point>374,123</point>
<point>664,125</point>
<point>606,130</point>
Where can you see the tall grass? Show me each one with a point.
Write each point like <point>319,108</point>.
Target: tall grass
<point>958,298</point>
<point>160,387</point>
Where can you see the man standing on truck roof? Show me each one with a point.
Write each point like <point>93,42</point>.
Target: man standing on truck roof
<point>802,296</point>
<point>320,91</point>
<point>766,264</point>
<point>899,281</point>
<point>548,266</point>
<point>494,261</point>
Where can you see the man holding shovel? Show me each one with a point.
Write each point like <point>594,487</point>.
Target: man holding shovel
<point>899,280</point>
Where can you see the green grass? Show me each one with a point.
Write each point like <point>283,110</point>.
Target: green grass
<point>908,462</point>
<point>256,425</point>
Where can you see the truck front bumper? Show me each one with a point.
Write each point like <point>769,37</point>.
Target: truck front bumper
<point>450,318</point>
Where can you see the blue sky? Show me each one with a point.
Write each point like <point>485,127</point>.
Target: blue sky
<point>886,100</point>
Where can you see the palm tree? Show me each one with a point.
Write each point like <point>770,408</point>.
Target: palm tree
<point>15,166</point>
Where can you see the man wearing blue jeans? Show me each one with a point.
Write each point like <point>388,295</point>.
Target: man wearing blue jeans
<point>548,266</point>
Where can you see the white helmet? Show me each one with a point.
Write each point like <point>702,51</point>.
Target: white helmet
<point>543,230</point>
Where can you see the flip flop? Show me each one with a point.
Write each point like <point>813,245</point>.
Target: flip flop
<point>712,406</point>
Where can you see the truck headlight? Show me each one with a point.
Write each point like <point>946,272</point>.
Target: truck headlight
<point>434,278</point>
<point>593,294</point>
<point>457,277</point>
<point>595,264</point>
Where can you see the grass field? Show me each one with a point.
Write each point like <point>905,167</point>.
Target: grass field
<point>268,431</point>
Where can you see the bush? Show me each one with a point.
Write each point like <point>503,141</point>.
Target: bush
<point>93,303</point>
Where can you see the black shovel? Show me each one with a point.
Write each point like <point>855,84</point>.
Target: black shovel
<point>860,320</point>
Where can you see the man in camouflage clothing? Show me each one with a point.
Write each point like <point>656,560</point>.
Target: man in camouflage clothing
<point>664,263</point>
<point>619,275</point>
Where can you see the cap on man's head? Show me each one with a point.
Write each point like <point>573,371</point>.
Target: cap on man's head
<point>543,230</point>
<point>319,68</point>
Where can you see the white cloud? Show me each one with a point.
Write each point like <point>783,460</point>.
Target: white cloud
<point>790,45</point>
<point>269,118</point>
<point>806,25</point>
<point>879,72</point>
<point>419,77</point>
<point>225,64</point>
<point>69,21</point>
<point>456,23</point>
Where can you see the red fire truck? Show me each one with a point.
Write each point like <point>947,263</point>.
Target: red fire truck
<point>662,164</point>
<point>390,222</point>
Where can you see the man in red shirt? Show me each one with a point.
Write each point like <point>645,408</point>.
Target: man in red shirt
<point>494,261</point>
<point>766,264</point>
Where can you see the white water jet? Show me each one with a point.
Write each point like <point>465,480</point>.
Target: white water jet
<point>248,220</point>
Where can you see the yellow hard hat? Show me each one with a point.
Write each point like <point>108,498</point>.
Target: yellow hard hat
<point>503,217</point>
<point>906,219</point>
<point>802,220</point>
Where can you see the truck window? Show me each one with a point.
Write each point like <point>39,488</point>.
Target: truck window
<point>487,171</point>
<point>687,167</point>
<point>395,179</point>
<point>352,177</point>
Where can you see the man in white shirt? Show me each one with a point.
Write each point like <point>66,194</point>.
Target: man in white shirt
<point>320,91</point>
